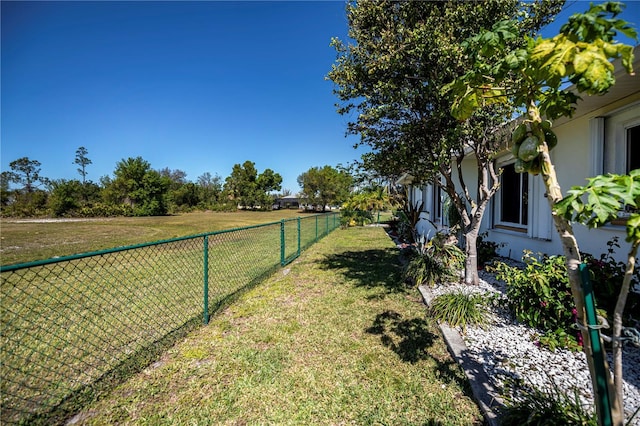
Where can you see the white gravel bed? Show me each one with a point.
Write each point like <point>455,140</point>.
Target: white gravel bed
<point>507,349</point>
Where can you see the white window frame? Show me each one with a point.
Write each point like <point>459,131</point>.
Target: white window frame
<point>614,144</point>
<point>518,228</point>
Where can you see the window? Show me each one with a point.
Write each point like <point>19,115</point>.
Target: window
<point>513,207</point>
<point>621,147</point>
<point>633,148</point>
<point>437,203</point>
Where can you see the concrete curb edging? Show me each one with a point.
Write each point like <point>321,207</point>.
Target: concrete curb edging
<point>485,394</point>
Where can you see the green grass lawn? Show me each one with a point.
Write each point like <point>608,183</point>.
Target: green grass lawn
<point>22,241</point>
<point>334,338</point>
<point>75,327</point>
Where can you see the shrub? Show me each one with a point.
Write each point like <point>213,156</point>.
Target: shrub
<point>355,217</point>
<point>607,276</point>
<point>105,210</point>
<point>532,406</point>
<point>424,268</point>
<point>487,250</point>
<point>436,261</point>
<point>539,295</point>
<point>460,309</point>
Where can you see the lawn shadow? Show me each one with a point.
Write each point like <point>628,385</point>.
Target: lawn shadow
<point>371,269</point>
<point>409,338</point>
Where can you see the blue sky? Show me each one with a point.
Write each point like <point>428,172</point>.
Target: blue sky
<point>195,86</point>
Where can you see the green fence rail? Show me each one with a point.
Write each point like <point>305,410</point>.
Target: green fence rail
<point>74,326</point>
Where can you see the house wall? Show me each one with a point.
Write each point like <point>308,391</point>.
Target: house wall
<point>426,227</point>
<point>579,155</point>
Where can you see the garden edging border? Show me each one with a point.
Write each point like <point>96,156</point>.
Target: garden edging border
<point>486,396</point>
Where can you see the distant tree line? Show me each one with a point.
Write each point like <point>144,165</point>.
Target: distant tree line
<point>136,189</point>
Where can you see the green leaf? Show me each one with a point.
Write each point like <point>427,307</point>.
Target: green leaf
<point>553,55</point>
<point>633,228</point>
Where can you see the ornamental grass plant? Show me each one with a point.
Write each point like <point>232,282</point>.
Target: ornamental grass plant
<point>459,309</point>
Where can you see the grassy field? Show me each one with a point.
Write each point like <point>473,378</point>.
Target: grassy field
<point>74,327</point>
<point>26,240</point>
<point>335,338</point>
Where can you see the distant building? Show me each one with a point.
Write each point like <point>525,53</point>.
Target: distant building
<point>287,202</point>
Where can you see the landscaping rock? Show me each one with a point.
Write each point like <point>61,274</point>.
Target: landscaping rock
<point>509,350</point>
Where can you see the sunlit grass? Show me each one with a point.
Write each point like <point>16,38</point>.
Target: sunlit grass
<point>68,325</point>
<point>335,338</point>
<point>28,241</point>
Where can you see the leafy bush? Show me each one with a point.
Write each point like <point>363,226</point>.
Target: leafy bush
<point>539,295</point>
<point>487,250</point>
<point>424,268</point>
<point>532,406</point>
<point>460,309</point>
<point>355,217</point>
<point>409,217</point>
<point>436,261</point>
<point>606,276</point>
<point>105,210</point>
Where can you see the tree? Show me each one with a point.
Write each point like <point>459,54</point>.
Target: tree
<point>66,196</point>
<point>210,188</point>
<point>534,77</point>
<point>607,196</point>
<point>83,161</point>
<point>138,186</point>
<point>285,192</point>
<point>181,193</point>
<point>177,177</point>
<point>325,186</point>
<point>26,172</point>
<point>5,192</point>
<point>404,52</point>
<point>249,189</point>
<point>184,197</point>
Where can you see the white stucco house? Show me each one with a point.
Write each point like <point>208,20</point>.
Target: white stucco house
<point>602,136</point>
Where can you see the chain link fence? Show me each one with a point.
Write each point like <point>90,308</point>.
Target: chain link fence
<point>75,326</point>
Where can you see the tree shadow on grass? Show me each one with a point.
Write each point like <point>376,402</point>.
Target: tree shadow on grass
<point>409,338</point>
<point>376,268</point>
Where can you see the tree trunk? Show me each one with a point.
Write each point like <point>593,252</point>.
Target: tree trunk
<point>471,264</point>
<point>617,322</point>
<point>572,254</point>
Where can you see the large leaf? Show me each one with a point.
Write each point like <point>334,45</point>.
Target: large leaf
<point>606,195</point>
<point>633,228</point>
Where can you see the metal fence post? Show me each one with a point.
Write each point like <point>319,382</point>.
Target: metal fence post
<point>602,401</point>
<point>298,235</point>
<point>206,280</point>
<point>282,248</point>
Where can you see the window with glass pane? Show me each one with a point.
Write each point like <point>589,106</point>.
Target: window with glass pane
<point>437,202</point>
<point>514,196</point>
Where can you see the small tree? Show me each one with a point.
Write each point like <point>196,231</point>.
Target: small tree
<point>606,196</point>
<point>26,172</point>
<point>135,184</point>
<point>249,189</point>
<point>533,78</point>
<point>83,161</point>
<point>210,189</point>
<point>325,186</point>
